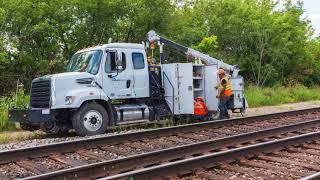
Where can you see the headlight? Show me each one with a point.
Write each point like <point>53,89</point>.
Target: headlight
<point>69,100</point>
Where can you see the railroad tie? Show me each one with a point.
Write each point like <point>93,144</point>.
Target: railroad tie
<point>265,165</point>
<point>117,150</point>
<point>30,166</point>
<point>242,170</point>
<point>211,176</point>
<point>286,161</point>
<point>137,146</point>
<point>295,156</point>
<point>4,177</point>
<point>91,155</point>
<point>190,136</point>
<point>71,162</point>
<point>209,133</point>
<point>174,139</point>
<point>311,147</point>
<point>311,152</point>
<point>316,142</point>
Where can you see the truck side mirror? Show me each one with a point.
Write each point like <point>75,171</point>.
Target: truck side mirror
<point>119,61</point>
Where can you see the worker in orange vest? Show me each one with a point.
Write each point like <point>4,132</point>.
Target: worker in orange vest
<point>200,109</point>
<point>224,94</point>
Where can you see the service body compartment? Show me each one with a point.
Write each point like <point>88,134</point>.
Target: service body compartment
<point>237,87</point>
<point>183,82</point>
<point>178,86</point>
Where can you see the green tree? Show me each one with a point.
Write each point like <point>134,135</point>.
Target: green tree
<point>208,45</point>
<point>267,43</point>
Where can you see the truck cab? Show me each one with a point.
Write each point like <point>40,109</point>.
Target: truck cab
<point>95,77</point>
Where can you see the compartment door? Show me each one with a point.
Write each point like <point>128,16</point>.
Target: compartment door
<point>211,82</point>
<point>185,88</point>
<point>237,87</point>
<point>169,78</point>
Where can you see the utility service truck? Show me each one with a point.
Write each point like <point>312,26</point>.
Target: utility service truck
<point>113,84</point>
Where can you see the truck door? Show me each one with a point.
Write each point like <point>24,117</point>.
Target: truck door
<point>140,74</point>
<point>185,88</point>
<point>117,83</point>
<point>211,87</point>
<point>178,86</point>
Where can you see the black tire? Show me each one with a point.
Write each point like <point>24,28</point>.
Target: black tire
<point>78,119</point>
<point>215,115</point>
<point>50,128</point>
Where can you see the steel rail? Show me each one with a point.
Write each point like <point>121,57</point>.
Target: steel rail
<point>210,160</point>
<point>315,176</point>
<point>70,146</point>
<point>131,163</point>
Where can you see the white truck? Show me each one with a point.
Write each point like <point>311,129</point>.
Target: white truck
<point>113,84</point>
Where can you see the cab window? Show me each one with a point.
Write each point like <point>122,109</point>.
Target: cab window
<point>110,65</point>
<point>124,61</point>
<point>138,61</point>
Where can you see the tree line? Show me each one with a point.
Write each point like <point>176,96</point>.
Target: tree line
<point>271,45</point>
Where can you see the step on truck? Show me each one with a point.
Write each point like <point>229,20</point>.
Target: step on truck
<point>113,84</point>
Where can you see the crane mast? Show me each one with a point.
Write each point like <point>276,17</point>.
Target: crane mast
<point>152,36</point>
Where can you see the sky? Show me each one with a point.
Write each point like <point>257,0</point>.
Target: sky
<point>312,12</point>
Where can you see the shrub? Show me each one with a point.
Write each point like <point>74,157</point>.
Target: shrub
<point>20,100</point>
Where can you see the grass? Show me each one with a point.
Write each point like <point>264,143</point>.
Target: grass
<point>19,101</point>
<point>257,97</point>
<point>19,135</point>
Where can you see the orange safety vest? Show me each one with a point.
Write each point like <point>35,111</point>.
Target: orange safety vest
<point>227,91</point>
<point>200,108</point>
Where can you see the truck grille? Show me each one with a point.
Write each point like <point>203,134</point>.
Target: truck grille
<point>40,94</point>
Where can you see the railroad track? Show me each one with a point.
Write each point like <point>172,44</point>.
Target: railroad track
<point>287,158</point>
<point>108,156</point>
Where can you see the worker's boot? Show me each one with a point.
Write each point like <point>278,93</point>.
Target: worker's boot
<point>227,115</point>
<point>223,117</point>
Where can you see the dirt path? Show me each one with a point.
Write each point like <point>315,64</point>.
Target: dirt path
<point>280,108</point>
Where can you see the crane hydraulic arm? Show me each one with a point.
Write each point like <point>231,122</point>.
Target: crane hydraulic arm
<point>154,37</point>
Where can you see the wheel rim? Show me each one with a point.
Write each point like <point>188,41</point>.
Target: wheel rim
<point>92,120</point>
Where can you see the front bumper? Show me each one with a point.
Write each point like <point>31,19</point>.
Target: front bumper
<point>31,116</point>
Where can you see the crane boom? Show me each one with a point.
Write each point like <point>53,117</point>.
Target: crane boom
<point>154,37</point>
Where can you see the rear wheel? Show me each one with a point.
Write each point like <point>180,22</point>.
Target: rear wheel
<point>214,115</point>
<point>90,119</point>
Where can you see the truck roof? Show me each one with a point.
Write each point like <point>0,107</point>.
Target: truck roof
<point>114,45</point>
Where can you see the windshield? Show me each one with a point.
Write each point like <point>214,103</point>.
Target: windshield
<point>85,62</point>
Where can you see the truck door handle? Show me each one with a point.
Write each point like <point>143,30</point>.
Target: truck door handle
<point>109,76</point>
<point>128,83</point>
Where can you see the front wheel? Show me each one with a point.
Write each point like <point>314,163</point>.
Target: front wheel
<point>90,119</point>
